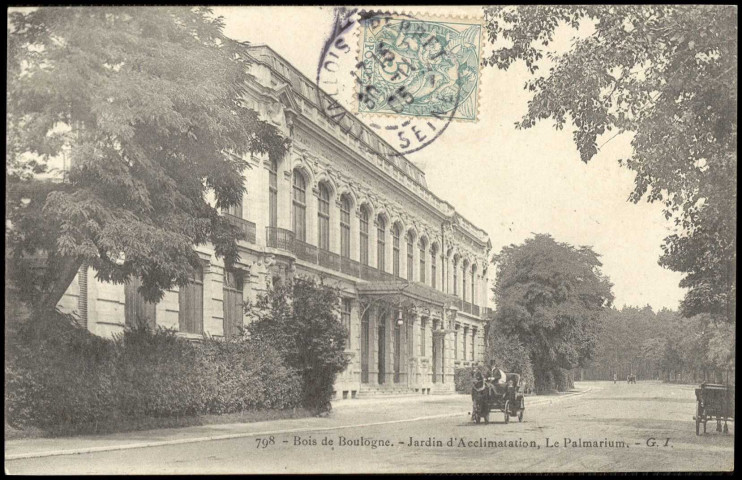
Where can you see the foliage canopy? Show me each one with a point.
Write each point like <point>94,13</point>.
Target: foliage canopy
<point>145,105</point>
<point>668,75</point>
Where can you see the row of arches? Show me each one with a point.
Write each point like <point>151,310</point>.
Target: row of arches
<point>357,230</point>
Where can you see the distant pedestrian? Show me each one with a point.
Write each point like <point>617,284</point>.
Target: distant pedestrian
<point>615,377</point>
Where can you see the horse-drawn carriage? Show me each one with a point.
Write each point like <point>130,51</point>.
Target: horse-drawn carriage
<point>507,397</point>
<point>714,402</point>
<point>631,378</point>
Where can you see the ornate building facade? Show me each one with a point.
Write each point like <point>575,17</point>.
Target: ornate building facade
<point>342,205</point>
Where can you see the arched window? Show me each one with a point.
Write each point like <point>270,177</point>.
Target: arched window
<point>273,194</point>
<point>410,261</point>
<point>395,250</point>
<point>364,235</point>
<point>380,243</point>
<point>299,204</point>
<point>463,280</point>
<point>422,246</point>
<point>345,226</point>
<point>473,285</point>
<point>323,217</point>
<point>455,275</point>
<point>433,267</point>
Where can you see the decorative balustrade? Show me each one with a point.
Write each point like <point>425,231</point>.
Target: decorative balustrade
<point>329,260</point>
<point>247,228</point>
<point>350,267</point>
<point>279,238</point>
<point>305,251</point>
<point>466,307</point>
<point>285,240</point>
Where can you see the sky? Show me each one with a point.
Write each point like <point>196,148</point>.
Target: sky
<point>511,183</point>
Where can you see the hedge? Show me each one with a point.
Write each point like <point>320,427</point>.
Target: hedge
<point>59,375</point>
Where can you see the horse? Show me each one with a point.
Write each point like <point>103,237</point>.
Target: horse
<point>480,394</point>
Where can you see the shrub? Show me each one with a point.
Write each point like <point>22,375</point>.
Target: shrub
<point>158,374</point>
<point>61,378</point>
<point>510,354</point>
<point>462,378</point>
<point>300,320</point>
<point>57,375</point>
<point>245,374</point>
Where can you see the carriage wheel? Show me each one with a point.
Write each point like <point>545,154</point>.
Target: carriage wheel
<point>507,411</point>
<point>698,419</point>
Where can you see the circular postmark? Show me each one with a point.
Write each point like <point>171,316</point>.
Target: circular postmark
<point>409,78</point>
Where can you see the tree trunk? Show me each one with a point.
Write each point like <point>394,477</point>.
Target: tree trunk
<point>63,274</point>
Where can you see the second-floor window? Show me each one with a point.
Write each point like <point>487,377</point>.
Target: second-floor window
<point>463,281</point>
<point>299,207</point>
<point>323,217</point>
<point>422,260</point>
<point>455,277</point>
<point>473,286</point>
<point>433,271</point>
<point>395,250</point>
<point>273,194</point>
<point>380,243</point>
<point>410,261</point>
<point>345,226</point>
<point>364,236</point>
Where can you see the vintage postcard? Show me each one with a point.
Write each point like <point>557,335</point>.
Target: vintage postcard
<point>358,239</point>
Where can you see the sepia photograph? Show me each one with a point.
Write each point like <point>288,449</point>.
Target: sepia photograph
<point>370,239</point>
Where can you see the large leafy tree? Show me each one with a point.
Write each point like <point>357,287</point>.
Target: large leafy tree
<point>550,296</point>
<point>145,106</point>
<point>667,75</point>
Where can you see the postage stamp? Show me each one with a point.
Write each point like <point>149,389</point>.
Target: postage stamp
<point>419,67</point>
<point>409,77</point>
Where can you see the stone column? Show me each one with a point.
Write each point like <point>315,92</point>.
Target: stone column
<point>373,365</point>
<point>213,298</point>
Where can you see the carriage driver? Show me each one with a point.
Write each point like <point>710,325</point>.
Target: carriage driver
<point>497,376</point>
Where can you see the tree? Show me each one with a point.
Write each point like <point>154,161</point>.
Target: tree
<point>145,103</point>
<point>668,75</point>
<point>550,296</point>
<point>299,319</point>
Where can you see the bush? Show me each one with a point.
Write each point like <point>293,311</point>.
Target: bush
<point>510,354</point>
<point>61,378</point>
<point>158,375</point>
<point>300,320</point>
<point>246,375</point>
<point>57,375</point>
<point>462,378</point>
<point>554,379</point>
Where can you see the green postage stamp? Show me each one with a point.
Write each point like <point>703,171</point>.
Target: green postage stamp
<point>419,67</point>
